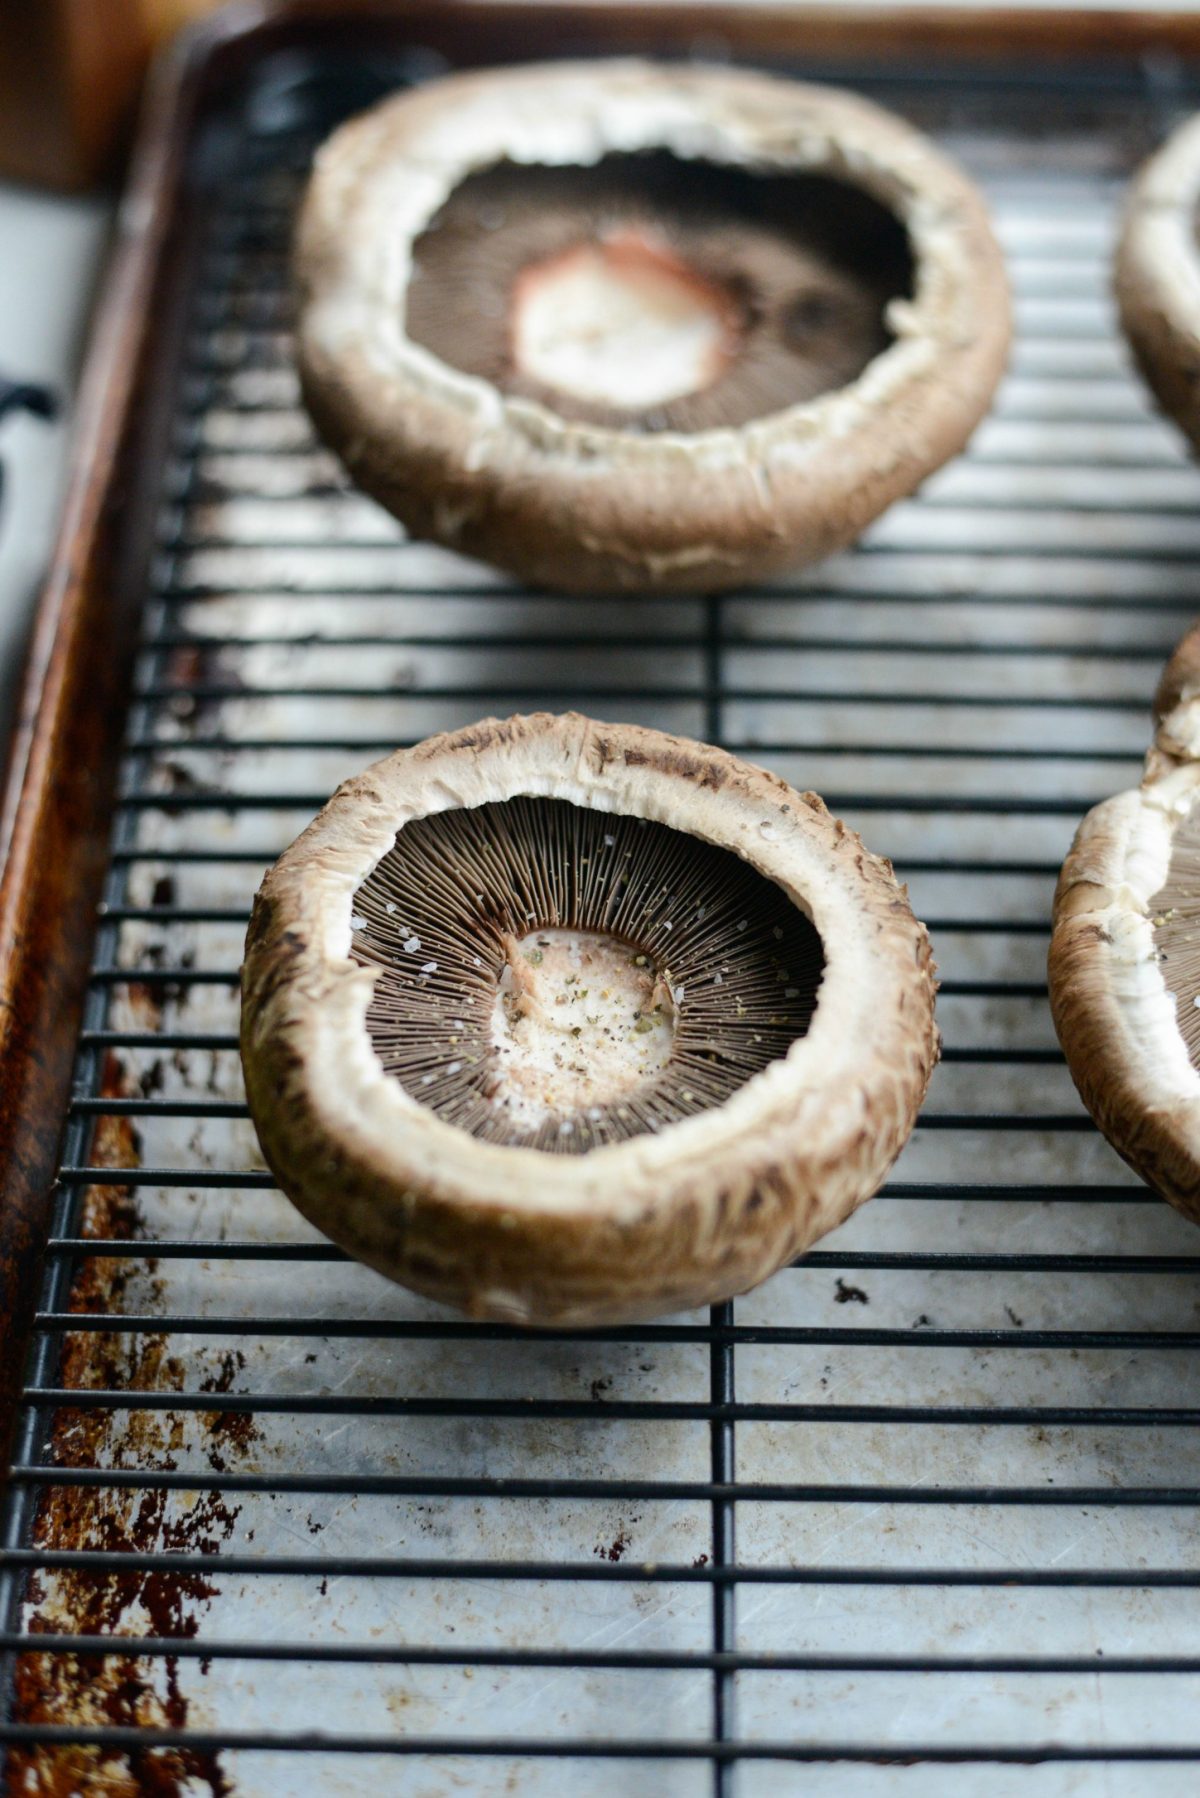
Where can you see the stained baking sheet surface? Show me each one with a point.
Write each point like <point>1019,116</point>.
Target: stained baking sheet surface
<point>1013,1320</point>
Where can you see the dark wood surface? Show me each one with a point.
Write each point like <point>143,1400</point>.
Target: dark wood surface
<point>57,802</point>
<point>69,69</point>
<point>69,74</point>
<point>482,30</point>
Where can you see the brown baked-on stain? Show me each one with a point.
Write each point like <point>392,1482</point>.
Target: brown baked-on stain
<point>618,1547</point>
<point>121,1690</point>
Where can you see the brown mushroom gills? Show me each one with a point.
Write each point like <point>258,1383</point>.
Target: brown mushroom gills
<point>1175,917</point>
<point>655,293</point>
<point>557,978</point>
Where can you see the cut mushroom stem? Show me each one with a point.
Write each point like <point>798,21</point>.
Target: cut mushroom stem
<point>622,322</point>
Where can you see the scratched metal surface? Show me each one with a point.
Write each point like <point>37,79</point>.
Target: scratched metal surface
<point>954,1433</point>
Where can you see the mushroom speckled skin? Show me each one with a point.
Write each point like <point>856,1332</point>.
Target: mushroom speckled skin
<point>582,506</point>
<point>657,1223</point>
<point>1122,999</point>
<point>1158,276</point>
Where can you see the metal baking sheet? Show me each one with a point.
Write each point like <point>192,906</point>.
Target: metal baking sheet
<point>930,1493</point>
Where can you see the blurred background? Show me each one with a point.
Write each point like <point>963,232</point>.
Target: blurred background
<point>70,76</point>
<point>71,72</point>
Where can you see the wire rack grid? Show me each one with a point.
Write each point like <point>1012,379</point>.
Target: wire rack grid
<point>927,1497</point>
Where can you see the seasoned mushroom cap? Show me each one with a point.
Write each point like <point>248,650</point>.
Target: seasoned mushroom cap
<point>573,497</point>
<point>669,1214</point>
<point>1158,276</point>
<point>1124,965</point>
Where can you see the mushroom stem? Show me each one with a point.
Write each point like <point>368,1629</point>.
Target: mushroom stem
<point>517,982</point>
<point>624,322</point>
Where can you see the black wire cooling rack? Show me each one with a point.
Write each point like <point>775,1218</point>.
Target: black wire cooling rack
<point>929,1496</point>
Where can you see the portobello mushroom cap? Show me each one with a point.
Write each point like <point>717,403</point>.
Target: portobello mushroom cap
<point>684,1143</point>
<point>815,306</point>
<point>1157,276</point>
<point>1125,951</point>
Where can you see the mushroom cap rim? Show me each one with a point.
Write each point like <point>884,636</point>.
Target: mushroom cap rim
<point>872,956</point>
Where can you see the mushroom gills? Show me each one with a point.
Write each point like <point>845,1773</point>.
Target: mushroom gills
<point>1175,920</point>
<point>558,978</point>
<point>653,293</point>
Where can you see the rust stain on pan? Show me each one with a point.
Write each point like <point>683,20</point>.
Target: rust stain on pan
<point>122,1689</point>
